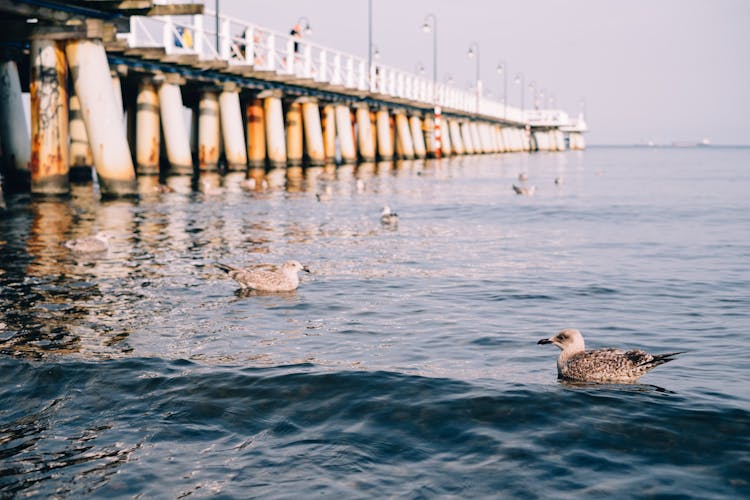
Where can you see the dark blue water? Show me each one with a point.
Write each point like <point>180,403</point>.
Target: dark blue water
<point>406,364</point>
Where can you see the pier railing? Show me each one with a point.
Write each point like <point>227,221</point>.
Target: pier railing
<point>262,51</point>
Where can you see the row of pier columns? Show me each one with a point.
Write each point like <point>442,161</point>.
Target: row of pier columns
<point>153,129</point>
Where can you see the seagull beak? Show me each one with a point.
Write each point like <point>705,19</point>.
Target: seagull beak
<point>544,341</point>
<point>306,269</point>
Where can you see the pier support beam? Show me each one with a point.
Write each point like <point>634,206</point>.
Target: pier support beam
<point>294,134</point>
<point>365,134</point>
<point>232,129</point>
<point>14,134</point>
<point>476,140</point>
<point>275,135</point>
<point>208,131</point>
<point>104,124</point>
<point>346,134</point>
<point>80,156</point>
<point>147,138</point>
<point>429,134</point>
<point>313,132</point>
<point>328,123</point>
<point>467,138</point>
<point>417,136</point>
<point>256,133</point>
<point>49,118</point>
<point>446,145</point>
<point>404,141</point>
<point>385,137</point>
<point>176,136</point>
<point>456,139</point>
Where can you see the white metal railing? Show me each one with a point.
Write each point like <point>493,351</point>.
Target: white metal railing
<point>242,43</point>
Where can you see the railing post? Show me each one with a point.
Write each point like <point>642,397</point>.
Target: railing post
<point>249,45</point>
<point>350,72</point>
<point>226,40</point>
<point>167,35</point>
<point>198,35</point>
<point>289,69</point>
<point>361,81</point>
<point>271,53</point>
<point>308,61</point>
<point>336,80</point>
<point>323,69</point>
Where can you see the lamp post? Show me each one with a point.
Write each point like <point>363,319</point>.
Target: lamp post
<point>369,43</point>
<point>305,25</point>
<point>474,53</point>
<point>519,79</point>
<point>430,26</point>
<point>501,70</point>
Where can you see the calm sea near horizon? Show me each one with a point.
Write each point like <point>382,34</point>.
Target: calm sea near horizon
<point>406,364</point>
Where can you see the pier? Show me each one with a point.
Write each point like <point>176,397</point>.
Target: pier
<point>112,84</point>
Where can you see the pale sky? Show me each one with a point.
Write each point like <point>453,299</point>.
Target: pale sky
<point>661,70</point>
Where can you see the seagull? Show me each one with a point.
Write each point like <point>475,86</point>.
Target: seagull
<point>559,180</point>
<point>601,365</point>
<point>283,279</point>
<point>89,244</point>
<point>387,217</point>
<point>528,191</point>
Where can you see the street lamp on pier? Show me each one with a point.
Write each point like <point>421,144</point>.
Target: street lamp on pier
<point>430,26</point>
<point>474,53</point>
<point>519,79</point>
<point>502,71</point>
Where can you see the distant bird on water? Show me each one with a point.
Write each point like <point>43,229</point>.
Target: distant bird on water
<point>523,177</point>
<point>89,244</point>
<point>523,190</point>
<point>283,279</point>
<point>388,217</point>
<point>575,363</point>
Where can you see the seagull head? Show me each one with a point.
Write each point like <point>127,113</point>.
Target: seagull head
<point>568,339</point>
<point>295,266</point>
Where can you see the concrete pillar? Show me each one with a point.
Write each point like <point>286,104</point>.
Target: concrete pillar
<point>14,133</point>
<point>446,145</point>
<point>560,140</point>
<point>498,131</point>
<point>345,134</point>
<point>148,137</point>
<point>467,138</point>
<point>364,134</point>
<point>275,134</point>
<point>429,135</point>
<point>294,136</point>
<point>457,143</point>
<point>328,122</point>
<point>79,151</point>
<point>49,118</point>
<point>417,136</point>
<point>117,90</point>
<point>385,139</point>
<point>476,140</point>
<point>403,136</point>
<point>232,129</point>
<point>176,136</point>
<point>314,148</point>
<point>104,124</point>
<point>256,133</point>
<point>208,131</point>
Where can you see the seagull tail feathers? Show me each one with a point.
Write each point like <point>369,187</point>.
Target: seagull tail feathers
<point>660,359</point>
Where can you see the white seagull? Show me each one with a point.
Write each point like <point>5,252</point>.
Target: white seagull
<point>387,217</point>
<point>601,365</point>
<point>283,279</point>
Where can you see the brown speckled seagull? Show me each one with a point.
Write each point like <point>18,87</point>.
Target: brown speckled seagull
<point>575,363</point>
<point>284,279</point>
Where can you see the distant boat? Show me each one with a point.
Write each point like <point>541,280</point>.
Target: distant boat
<point>705,142</point>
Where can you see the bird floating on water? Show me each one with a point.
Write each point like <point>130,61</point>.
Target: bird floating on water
<point>559,180</point>
<point>523,190</point>
<point>89,244</point>
<point>388,217</point>
<point>575,363</point>
<point>283,279</point>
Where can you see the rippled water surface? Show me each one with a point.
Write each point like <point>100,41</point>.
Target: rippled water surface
<point>406,364</point>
